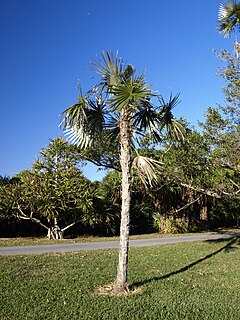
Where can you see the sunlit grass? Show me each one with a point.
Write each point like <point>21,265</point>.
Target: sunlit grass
<point>198,280</point>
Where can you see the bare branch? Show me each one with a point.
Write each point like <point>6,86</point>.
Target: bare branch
<point>187,205</point>
<point>23,216</point>
<point>70,225</point>
<point>213,194</point>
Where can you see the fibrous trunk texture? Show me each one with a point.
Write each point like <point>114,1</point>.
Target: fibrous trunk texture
<point>125,159</point>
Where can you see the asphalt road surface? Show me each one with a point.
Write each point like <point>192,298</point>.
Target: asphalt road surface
<point>70,247</point>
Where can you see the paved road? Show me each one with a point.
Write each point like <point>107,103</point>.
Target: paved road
<point>70,247</point>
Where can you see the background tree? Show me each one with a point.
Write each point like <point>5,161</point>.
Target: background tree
<point>208,163</point>
<point>4,180</point>
<point>6,184</point>
<point>120,107</point>
<point>221,129</point>
<point>54,194</point>
<point>177,198</point>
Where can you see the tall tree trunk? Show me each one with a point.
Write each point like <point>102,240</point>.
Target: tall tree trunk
<point>125,160</point>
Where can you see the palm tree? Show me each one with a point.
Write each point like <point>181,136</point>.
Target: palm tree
<point>228,17</point>
<point>120,107</point>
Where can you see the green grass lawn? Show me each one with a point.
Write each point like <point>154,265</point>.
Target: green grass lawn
<point>198,280</point>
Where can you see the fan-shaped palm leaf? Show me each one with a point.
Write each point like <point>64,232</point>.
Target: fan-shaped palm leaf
<point>129,93</point>
<point>110,68</point>
<point>228,17</point>
<point>113,133</point>
<point>174,129</point>
<point>147,169</point>
<point>146,120</point>
<point>83,121</point>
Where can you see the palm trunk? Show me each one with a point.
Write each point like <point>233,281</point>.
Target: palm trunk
<point>125,160</point>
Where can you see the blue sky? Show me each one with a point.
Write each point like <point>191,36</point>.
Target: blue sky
<point>46,47</point>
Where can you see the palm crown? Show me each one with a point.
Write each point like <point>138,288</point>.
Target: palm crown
<point>99,111</point>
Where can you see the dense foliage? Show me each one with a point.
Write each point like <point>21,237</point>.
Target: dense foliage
<point>54,194</point>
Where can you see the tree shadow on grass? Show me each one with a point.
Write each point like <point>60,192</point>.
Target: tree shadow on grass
<point>229,247</point>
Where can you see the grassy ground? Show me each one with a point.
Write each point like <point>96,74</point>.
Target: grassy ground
<point>43,240</point>
<point>198,280</point>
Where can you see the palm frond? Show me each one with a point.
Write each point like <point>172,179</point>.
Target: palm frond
<point>174,129</point>
<point>146,120</point>
<point>228,17</point>
<point>129,93</point>
<point>110,68</point>
<point>148,170</point>
<point>171,104</point>
<point>78,136</point>
<point>83,121</point>
<point>128,72</point>
<point>226,27</point>
<point>113,133</point>
<point>73,114</point>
